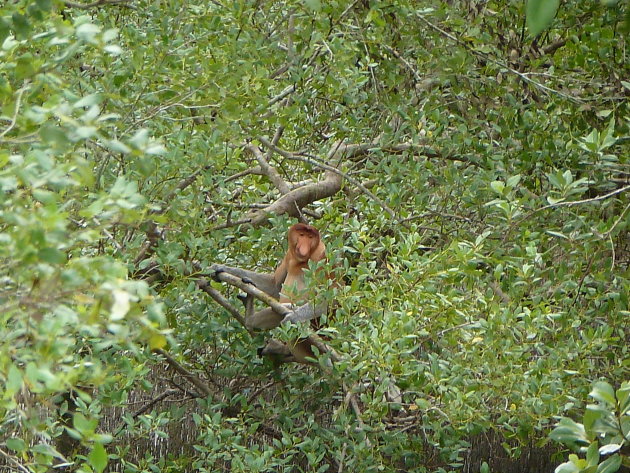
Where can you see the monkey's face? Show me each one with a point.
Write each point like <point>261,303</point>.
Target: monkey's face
<point>303,241</point>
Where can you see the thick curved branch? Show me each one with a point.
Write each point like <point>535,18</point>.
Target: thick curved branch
<point>292,202</point>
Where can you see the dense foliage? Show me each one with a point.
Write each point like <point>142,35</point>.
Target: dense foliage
<point>481,232</point>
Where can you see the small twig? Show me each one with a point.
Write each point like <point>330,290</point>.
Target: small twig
<point>287,91</point>
<point>489,58</point>
<point>404,61</point>
<point>262,388</point>
<point>342,457</point>
<point>185,373</point>
<point>607,233</point>
<point>18,102</point>
<point>585,201</point>
<point>14,461</point>
<point>583,278</point>
<point>612,257</point>
<point>268,170</point>
<point>255,170</point>
<point>456,327</point>
<point>564,204</point>
<point>148,406</point>
<point>153,233</point>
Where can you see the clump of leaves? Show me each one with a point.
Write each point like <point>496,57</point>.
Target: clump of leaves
<point>603,433</point>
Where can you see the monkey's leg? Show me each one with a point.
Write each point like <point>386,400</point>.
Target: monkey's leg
<point>248,302</point>
<point>265,319</point>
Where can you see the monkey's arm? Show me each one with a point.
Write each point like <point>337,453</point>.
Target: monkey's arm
<point>263,281</point>
<point>304,312</point>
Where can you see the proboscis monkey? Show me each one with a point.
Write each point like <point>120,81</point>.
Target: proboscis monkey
<point>287,285</point>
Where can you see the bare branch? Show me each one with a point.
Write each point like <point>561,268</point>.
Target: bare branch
<point>255,170</point>
<point>346,150</point>
<point>569,203</point>
<point>295,200</point>
<point>268,170</point>
<point>489,58</point>
<point>254,291</point>
<point>96,3</point>
<point>204,285</point>
<point>12,459</point>
<point>200,385</point>
<point>18,102</point>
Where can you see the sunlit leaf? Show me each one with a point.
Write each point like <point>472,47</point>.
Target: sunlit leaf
<point>603,392</point>
<point>121,304</point>
<point>98,458</point>
<point>539,14</point>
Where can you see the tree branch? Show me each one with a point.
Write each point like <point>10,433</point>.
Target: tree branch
<point>185,373</point>
<point>204,285</point>
<point>85,6</point>
<point>268,170</point>
<point>254,291</point>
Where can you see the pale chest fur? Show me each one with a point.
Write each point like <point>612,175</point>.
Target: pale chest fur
<point>293,287</point>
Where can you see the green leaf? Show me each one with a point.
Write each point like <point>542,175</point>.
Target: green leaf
<point>52,255</point>
<point>514,180</point>
<point>121,304</point>
<point>315,5</point>
<point>5,30</point>
<point>592,413</point>
<point>52,134</point>
<point>98,458</point>
<point>16,444</point>
<point>84,425</point>
<point>557,234</point>
<point>568,467</point>
<point>610,465</point>
<point>603,392</point>
<point>87,32</point>
<point>118,146</point>
<point>539,14</point>
<point>140,139</point>
<point>14,381</point>
<point>610,448</point>
<point>623,396</point>
<point>592,454</point>
<point>21,26</point>
<point>88,100</point>
<point>157,341</point>
<point>569,431</point>
<point>45,5</point>
<point>85,132</point>
<point>25,67</point>
<point>498,187</point>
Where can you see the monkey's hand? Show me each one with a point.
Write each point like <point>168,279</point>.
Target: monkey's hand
<point>216,269</point>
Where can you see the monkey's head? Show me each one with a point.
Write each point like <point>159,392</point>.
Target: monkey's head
<point>305,243</point>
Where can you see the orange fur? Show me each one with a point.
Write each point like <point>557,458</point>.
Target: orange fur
<point>305,245</point>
